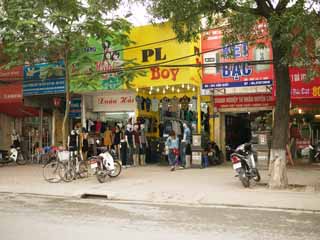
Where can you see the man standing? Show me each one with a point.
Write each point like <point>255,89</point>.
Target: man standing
<point>186,146</point>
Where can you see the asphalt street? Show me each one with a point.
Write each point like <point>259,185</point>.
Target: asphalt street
<point>24,216</point>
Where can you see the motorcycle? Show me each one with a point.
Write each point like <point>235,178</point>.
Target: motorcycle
<point>315,151</point>
<point>13,155</point>
<point>104,165</point>
<point>244,163</point>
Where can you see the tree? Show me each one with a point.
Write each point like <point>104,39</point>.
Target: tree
<point>292,25</point>
<point>51,30</point>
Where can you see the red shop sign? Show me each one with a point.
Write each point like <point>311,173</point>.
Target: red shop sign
<point>300,88</point>
<point>244,100</point>
<point>13,74</point>
<point>11,93</point>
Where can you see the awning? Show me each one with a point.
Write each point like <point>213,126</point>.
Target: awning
<point>18,110</point>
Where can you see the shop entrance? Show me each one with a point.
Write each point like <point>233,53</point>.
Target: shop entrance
<point>247,127</point>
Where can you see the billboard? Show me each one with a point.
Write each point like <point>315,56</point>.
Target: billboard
<point>12,74</point>
<point>231,65</point>
<point>105,58</point>
<point>44,78</point>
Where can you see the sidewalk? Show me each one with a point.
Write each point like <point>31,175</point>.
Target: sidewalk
<point>215,185</point>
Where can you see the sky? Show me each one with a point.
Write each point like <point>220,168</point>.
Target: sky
<point>139,12</point>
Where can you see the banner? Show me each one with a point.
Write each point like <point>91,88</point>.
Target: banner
<point>105,58</point>
<point>44,78</point>
<point>114,103</point>
<point>233,67</point>
<point>12,74</point>
<point>245,100</point>
<point>165,50</point>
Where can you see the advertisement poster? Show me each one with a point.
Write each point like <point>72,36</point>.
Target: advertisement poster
<point>75,107</point>
<point>231,65</point>
<point>105,59</point>
<point>44,78</point>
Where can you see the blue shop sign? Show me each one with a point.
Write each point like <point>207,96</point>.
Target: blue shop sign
<point>44,78</point>
<point>75,108</point>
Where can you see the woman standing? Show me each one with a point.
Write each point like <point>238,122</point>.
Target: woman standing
<point>173,145</point>
<point>123,147</point>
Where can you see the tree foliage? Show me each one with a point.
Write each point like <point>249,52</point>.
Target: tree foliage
<point>49,30</point>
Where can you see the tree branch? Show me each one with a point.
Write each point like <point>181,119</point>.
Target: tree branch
<point>235,7</point>
<point>282,5</point>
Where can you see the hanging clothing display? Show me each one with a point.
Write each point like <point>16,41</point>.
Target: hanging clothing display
<point>154,105</point>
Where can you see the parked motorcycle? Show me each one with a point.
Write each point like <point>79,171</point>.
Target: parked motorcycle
<point>244,163</point>
<point>315,152</point>
<point>13,155</point>
<point>104,165</point>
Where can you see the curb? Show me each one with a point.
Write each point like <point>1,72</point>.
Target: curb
<point>89,196</point>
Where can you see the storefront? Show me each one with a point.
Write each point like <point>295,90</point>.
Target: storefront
<point>241,92</point>
<point>158,96</point>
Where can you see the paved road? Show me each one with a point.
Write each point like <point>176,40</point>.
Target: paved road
<point>48,217</point>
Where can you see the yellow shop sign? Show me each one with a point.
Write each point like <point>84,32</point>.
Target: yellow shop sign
<point>164,59</point>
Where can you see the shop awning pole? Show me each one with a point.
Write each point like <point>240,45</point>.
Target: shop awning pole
<point>199,109</point>
<point>41,126</point>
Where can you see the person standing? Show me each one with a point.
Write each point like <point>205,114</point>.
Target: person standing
<point>129,141</point>
<point>84,144</point>
<point>186,146</point>
<point>172,144</point>
<point>136,145</point>
<point>143,145</point>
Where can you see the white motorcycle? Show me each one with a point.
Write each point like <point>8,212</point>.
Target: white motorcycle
<point>104,165</point>
<point>13,155</point>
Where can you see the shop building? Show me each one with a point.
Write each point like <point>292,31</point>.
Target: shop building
<point>160,98</point>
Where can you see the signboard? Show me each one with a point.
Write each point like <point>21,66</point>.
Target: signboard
<point>300,88</point>
<point>75,108</point>
<point>44,78</point>
<point>245,100</point>
<point>166,52</point>
<point>12,74</point>
<point>106,59</point>
<point>230,64</point>
<point>11,93</point>
<point>114,103</point>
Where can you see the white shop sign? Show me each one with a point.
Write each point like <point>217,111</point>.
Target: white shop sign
<point>114,103</point>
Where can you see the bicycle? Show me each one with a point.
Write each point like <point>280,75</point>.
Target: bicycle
<point>75,167</point>
<point>54,169</point>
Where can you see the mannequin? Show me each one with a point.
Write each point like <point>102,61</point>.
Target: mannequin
<point>129,141</point>
<point>143,145</point>
<point>73,142</point>
<point>108,138</point>
<point>136,145</point>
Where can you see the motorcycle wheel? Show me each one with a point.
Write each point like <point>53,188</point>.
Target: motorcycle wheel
<point>21,160</point>
<point>117,170</point>
<point>101,176</point>
<point>83,170</point>
<point>244,178</point>
<point>257,177</point>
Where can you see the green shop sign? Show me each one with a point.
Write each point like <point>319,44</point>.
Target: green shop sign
<point>96,68</point>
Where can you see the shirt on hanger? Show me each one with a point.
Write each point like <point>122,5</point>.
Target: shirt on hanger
<point>185,102</point>
<point>165,103</point>
<point>175,104</point>
<point>154,105</point>
<point>139,101</point>
<point>194,104</point>
<point>148,104</point>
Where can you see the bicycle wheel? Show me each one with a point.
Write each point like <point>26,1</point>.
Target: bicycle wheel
<point>68,173</point>
<point>51,172</point>
<point>83,170</point>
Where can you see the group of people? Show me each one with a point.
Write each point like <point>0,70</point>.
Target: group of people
<point>178,152</point>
